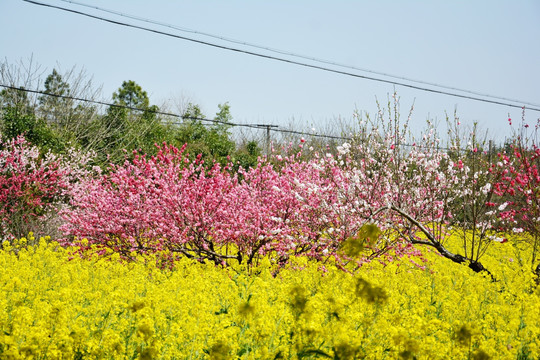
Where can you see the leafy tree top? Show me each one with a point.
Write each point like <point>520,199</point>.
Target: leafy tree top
<point>131,94</point>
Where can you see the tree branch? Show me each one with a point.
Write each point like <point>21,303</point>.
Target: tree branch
<point>432,241</point>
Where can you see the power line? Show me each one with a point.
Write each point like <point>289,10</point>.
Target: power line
<point>288,53</point>
<point>283,59</point>
<point>269,127</point>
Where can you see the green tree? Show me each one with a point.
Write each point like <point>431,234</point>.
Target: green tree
<point>131,123</point>
<point>59,112</point>
<point>247,155</point>
<point>129,100</point>
<point>69,121</point>
<point>132,95</point>
<point>192,132</point>
<point>213,140</point>
<point>54,105</point>
<point>19,118</point>
<point>219,135</point>
<point>17,114</point>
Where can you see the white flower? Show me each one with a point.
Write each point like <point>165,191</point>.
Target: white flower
<point>485,189</point>
<point>503,206</point>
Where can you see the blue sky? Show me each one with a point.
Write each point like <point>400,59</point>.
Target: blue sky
<point>490,47</point>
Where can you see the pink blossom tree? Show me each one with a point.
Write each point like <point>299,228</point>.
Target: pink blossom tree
<point>167,202</point>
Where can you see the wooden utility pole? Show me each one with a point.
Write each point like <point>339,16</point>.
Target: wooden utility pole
<point>267,142</point>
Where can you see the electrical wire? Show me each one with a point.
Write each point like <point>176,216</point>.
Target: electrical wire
<point>288,53</point>
<point>252,53</point>
<point>270,127</point>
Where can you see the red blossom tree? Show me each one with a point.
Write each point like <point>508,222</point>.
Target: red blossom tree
<point>31,187</point>
<point>519,185</point>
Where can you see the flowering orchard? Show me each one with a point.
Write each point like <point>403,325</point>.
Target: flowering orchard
<point>370,199</point>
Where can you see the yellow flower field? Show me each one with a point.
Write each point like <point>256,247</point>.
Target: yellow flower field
<point>56,305</point>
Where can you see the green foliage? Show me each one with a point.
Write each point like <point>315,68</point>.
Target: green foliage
<point>57,113</point>
<point>132,95</point>
<point>55,121</point>
<point>211,141</point>
<point>246,156</point>
<point>365,237</point>
<point>19,118</point>
<point>131,123</point>
<point>53,107</point>
<point>369,292</point>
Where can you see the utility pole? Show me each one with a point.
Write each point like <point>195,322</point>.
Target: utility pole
<point>268,127</point>
<point>268,141</point>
